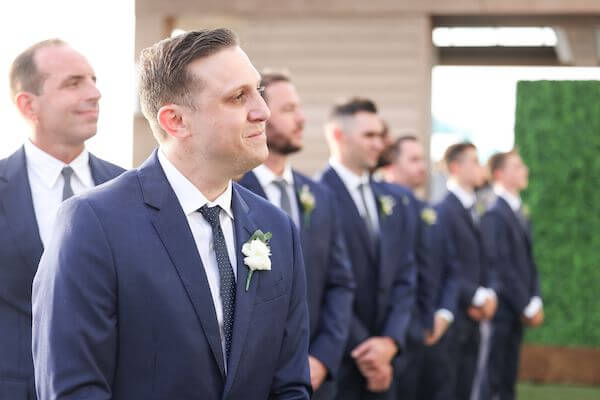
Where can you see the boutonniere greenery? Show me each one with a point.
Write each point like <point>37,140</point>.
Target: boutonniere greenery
<point>386,205</point>
<point>258,253</point>
<point>308,202</point>
<point>405,200</point>
<point>525,210</point>
<point>429,216</point>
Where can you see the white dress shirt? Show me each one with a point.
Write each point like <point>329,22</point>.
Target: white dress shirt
<point>191,200</point>
<point>46,183</point>
<point>267,179</point>
<point>352,183</point>
<point>514,202</point>
<point>468,199</point>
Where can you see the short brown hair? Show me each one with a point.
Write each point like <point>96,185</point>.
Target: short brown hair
<point>269,76</point>
<point>456,151</point>
<point>24,75</point>
<point>352,107</point>
<point>498,160</point>
<point>391,153</point>
<point>164,77</point>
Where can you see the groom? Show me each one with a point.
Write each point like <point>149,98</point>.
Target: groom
<point>173,282</point>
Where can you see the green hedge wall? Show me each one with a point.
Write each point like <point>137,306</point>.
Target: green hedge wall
<point>557,131</point>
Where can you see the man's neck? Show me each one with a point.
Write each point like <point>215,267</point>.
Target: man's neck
<point>62,152</point>
<point>276,162</point>
<point>463,185</point>
<point>353,168</point>
<point>514,191</point>
<point>208,179</point>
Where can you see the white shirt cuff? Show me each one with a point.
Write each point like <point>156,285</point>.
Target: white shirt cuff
<point>481,295</point>
<point>534,306</point>
<point>446,314</point>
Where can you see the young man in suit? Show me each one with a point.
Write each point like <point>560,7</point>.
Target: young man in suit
<point>508,246</point>
<point>330,282</point>
<point>404,167</point>
<point>172,282</point>
<point>54,89</point>
<point>460,217</point>
<point>376,233</point>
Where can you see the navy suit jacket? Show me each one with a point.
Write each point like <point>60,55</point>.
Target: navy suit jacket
<point>20,252</point>
<point>465,237</point>
<point>508,249</point>
<point>122,308</point>
<point>436,270</point>
<point>385,274</point>
<point>330,282</point>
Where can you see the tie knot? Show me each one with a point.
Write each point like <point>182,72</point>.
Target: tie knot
<point>211,214</point>
<point>280,183</point>
<point>67,172</point>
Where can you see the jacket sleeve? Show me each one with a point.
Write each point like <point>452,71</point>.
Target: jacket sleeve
<point>74,309</point>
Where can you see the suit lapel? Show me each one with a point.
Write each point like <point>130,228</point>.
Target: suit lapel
<point>348,204</point>
<point>172,227</point>
<point>17,202</point>
<point>513,219</point>
<point>250,182</point>
<point>464,212</point>
<point>100,171</point>
<point>244,227</point>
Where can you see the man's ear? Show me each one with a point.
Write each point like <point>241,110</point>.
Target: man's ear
<point>338,134</point>
<point>171,119</point>
<point>25,102</point>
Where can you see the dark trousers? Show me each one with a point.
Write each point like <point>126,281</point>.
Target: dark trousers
<point>410,369</point>
<point>505,348</point>
<point>462,350</point>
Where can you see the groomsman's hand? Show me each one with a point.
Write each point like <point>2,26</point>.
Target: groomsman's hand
<point>380,380</point>
<point>440,326</point>
<point>476,313</point>
<point>374,352</point>
<point>489,307</point>
<point>318,372</point>
<point>536,320</point>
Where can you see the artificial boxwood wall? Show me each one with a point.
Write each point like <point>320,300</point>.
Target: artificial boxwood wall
<point>557,131</point>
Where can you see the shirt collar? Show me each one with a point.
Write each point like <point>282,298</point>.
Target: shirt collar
<point>467,199</point>
<point>350,179</point>
<point>513,201</point>
<point>190,198</point>
<point>49,168</point>
<point>265,176</point>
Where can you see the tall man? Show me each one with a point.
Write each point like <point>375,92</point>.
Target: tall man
<point>423,369</point>
<point>508,246</point>
<point>330,282</point>
<point>54,89</point>
<point>172,282</point>
<point>460,216</point>
<point>376,233</point>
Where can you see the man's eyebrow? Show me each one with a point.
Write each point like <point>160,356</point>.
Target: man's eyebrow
<point>76,78</point>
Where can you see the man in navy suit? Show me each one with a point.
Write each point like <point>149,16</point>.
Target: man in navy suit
<point>376,232</point>
<point>404,167</point>
<point>53,87</point>
<point>460,217</point>
<point>172,282</point>
<point>330,282</point>
<point>508,247</point>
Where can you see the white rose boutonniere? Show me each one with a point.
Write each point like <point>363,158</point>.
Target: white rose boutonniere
<point>308,202</point>
<point>258,253</point>
<point>526,211</point>
<point>386,205</point>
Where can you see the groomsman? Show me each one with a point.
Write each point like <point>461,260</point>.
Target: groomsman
<point>477,301</point>
<point>421,369</point>
<point>377,234</point>
<point>54,89</point>
<point>508,246</point>
<point>173,282</point>
<point>330,283</point>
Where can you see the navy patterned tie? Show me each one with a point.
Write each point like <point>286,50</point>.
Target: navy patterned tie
<point>227,285</point>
